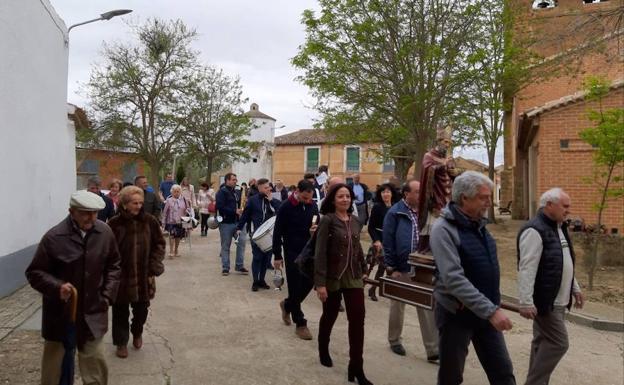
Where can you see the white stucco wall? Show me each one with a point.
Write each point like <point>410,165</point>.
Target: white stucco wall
<point>37,146</point>
<point>263,131</point>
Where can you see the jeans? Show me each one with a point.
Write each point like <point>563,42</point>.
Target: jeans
<point>259,263</point>
<point>456,332</point>
<point>299,286</point>
<point>121,328</point>
<point>226,232</point>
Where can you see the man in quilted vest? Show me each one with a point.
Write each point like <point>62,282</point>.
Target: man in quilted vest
<point>546,283</point>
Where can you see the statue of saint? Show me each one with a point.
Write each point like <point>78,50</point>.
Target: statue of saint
<point>436,179</point>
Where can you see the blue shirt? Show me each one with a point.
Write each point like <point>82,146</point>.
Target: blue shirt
<point>165,188</point>
<point>358,190</point>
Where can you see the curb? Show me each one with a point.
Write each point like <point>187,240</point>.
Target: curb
<point>583,320</point>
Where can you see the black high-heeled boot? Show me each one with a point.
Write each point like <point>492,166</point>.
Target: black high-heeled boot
<point>371,293</point>
<point>359,374</point>
<point>325,357</point>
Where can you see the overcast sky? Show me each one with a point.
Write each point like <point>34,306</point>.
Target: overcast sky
<point>254,40</point>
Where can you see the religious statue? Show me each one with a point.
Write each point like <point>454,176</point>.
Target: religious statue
<point>436,179</point>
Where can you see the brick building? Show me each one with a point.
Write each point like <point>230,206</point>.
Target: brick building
<point>542,146</point>
<point>108,165</point>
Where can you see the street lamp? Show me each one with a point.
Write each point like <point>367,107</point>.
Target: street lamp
<point>105,16</point>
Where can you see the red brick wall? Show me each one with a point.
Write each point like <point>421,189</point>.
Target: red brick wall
<point>110,165</point>
<point>567,168</point>
<point>544,24</point>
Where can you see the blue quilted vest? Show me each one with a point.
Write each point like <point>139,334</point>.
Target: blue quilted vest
<point>477,252</point>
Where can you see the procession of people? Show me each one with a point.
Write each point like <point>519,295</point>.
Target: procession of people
<point>109,250</point>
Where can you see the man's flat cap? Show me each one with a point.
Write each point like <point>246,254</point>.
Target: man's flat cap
<point>86,201</point>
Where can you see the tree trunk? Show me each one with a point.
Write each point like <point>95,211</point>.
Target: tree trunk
<point>209,162</point>
<point>491,172</point>
<point>419,153</point>
<point>593,262</point>
<point>154,174</point>
<point>401,168</point>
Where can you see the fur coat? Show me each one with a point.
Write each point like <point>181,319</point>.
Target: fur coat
<point>142,249</point>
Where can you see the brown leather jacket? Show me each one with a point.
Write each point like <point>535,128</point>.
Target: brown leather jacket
<point>331,259</point>
<point>90,264</point>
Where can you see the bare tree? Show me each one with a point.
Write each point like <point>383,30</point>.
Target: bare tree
<point>136,92</point>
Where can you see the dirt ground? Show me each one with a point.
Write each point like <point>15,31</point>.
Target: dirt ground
<point>206,329</point>
<point>608,281</point>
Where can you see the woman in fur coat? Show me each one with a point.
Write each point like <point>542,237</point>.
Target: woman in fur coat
<point>142,249</point>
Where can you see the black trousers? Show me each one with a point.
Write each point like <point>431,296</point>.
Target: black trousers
<point>456,333</point>
<point>204,222</point>
<point>121,327</point>
<point>299,286</point>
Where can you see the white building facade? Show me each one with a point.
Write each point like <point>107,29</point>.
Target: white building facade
<point>37,150</point>
<point>260,165</point>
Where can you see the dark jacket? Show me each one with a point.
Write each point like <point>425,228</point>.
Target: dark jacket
<point>142,249</point>
<point>292,227</point>
<point>467,270</point>
<point>108,211</point>
<point>152,204</point>
<point>226,204</point>
<point>331,259</point>
<point>257,210</point>
<point>397,237</point>
<point>90,264</point>
<point>550,269</point>
<point>375,223</point>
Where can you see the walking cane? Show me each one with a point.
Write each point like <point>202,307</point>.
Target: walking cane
<point>69,342</point>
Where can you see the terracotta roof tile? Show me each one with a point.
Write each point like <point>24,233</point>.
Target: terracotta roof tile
<point>564,101</point>
<point>305,136</point>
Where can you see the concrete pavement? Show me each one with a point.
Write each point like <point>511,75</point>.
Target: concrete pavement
<point>207,329</point>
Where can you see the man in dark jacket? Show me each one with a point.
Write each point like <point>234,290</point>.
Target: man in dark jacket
<point>227,209</point>
<point>546,283</point>
<point>80,252</point>
<point>151,205</point>
<point>400,239</point>
<point>93,185</point>
<point>258,209</point>
<point>292,231</point>
<point>467,289</point>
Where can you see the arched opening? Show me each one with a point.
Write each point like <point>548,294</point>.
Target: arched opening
<point>544,4</point>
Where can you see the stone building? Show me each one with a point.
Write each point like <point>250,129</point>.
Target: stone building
<point>542,146</point>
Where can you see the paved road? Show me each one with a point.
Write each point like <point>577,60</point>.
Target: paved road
<point>208,329</point>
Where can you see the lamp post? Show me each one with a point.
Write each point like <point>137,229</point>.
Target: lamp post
<point>105,16</point>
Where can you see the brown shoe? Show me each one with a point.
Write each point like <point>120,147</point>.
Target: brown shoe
<point>122,351</point>
<point>303,332</point>
<point>285,315</point>
<point>137,342</point>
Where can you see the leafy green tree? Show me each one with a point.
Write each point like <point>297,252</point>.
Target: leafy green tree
<point>498,63</point>
<point>214,126</point>
<point>387,71</point>
<point>607,137</point>
<point>136,92</point>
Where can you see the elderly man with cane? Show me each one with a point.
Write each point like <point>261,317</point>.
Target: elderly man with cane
<point>77,255</point>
